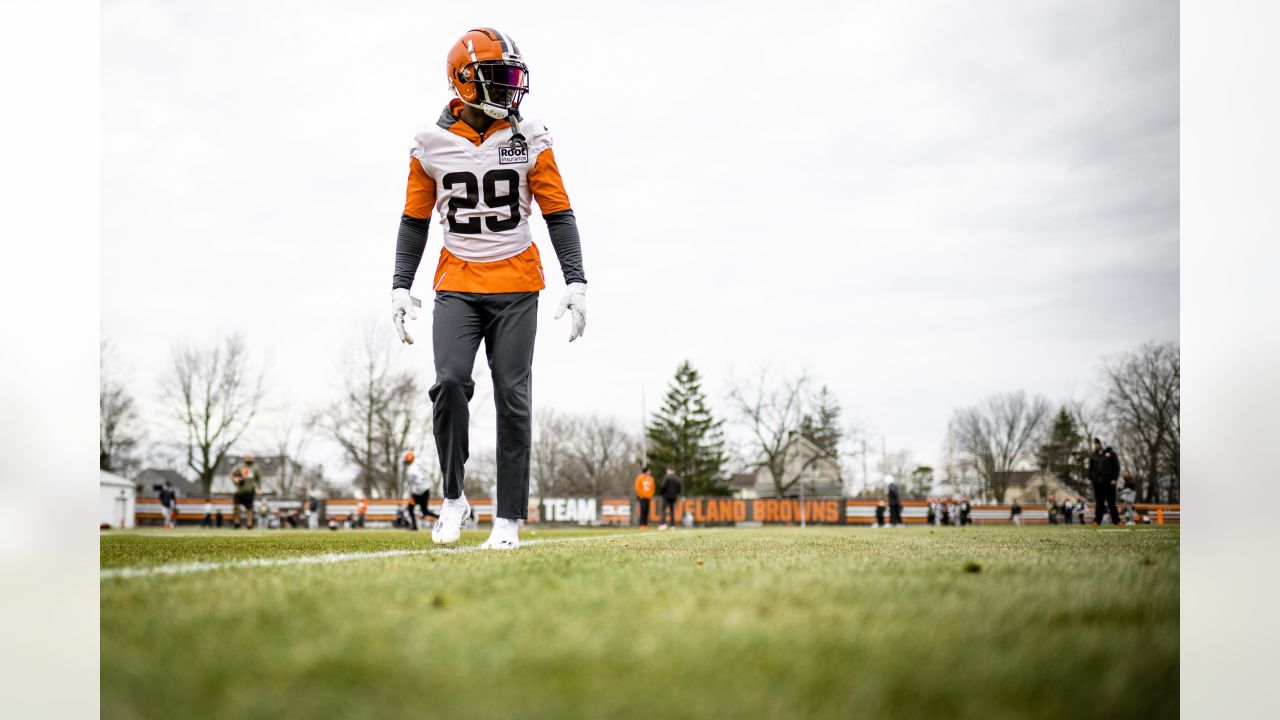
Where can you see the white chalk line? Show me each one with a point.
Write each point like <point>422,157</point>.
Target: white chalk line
<point>128,573</point>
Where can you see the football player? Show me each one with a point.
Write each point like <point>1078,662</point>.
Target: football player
<point>417,489</point>
<point>480,166</point>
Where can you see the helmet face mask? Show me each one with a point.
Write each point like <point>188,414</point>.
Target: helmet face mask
<point>499,85</point>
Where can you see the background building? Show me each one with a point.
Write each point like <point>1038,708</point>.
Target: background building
<point>819,472</point>
<point>116,501</point>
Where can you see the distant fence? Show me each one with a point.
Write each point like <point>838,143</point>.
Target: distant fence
<point>706,511</point>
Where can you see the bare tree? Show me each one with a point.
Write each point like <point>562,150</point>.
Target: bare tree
<point>603,454</point>
<point>999,434</point>
<point>1143,402</point>
<point>584,455</point>
<point>851,453</point>
<point>404,423</point>
<point>290,440</point>
<point>773,413</point>
<point>118,426</point>
<point>1091,419</point>
<point>551,452</point>
<point>380,413</point>
<point>214,393</point>
<point>899,464</point>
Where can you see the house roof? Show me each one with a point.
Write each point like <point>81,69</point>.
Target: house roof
<point>154,476</point>
<point>267,464</point>
<point>1021,478</point>
<point>743,480</point>
<point>112,479</point>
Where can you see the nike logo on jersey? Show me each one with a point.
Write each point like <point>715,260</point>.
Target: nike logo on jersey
<point>510,155</point>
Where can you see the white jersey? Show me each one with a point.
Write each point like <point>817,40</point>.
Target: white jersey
<point>483,196</point>
<point>416,480</point>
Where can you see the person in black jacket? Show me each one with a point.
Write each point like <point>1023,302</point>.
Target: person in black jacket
<point>168,504</point>
<point>1095,479</point>
<point>1110,478</point>
<point>895,502</point>
<point>670,492</point>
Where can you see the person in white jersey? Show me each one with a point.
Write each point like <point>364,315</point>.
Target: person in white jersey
<point>480,167</point>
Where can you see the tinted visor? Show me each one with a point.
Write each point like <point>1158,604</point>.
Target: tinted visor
<point>502,75</point>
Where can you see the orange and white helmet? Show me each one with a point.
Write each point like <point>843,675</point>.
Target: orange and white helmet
<point>408,457</point>
<point>485,71</point>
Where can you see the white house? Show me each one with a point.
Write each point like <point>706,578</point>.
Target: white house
<point>116,499</point>
<point>819,472</point>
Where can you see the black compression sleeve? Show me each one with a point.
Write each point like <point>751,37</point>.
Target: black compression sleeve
<point>563,228</point>
<point>411,241</point>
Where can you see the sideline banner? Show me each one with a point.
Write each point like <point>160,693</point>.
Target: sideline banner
<point>731,511</point>
<point>705,511</point>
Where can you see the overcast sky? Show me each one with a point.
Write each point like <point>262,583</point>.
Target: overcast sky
<point>922,203</point>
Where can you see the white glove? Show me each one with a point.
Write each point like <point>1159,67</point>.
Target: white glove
<point>575,299</point>
<point>403,304</point>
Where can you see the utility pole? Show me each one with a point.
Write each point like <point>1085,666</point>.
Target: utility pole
<point>866,479</point>
<point>814,468</point>
<point>644,434</point>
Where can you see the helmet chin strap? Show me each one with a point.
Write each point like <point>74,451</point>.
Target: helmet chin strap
<point>497,112</point>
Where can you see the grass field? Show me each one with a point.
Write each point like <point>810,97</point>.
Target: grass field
<point>993,622</point>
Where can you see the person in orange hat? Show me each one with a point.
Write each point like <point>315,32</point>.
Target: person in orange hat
<point>644,494</point>
<point>417,488</point>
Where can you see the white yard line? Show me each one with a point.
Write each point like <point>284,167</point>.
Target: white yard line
<point>126,573</point>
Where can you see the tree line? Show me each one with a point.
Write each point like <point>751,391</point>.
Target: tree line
<point>215,400</point>
<point>1136,412</point>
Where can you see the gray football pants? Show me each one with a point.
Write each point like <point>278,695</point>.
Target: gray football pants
<point>508,323</point>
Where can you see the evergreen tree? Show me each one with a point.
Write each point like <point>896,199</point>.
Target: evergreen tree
<point>922,480</point>
<point>1062,455</point>
<point>683,435</point>
<point>822,427</point>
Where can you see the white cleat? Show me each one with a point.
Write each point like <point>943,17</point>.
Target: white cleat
<point>448,527</point>
<point>504,536</point>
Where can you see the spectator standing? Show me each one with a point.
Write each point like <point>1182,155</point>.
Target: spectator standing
<point>895,501</point>
<point>313,512</point>
<point>1066,511</point>
<point>965,508</point>
<point>1096,472</point>
<point>1015,513</point>
<point>880,508</point>
<point>263,510</point>
<point>644,494</point>
<point>362,508</point>
<point>1081,508</point>
<point>931,515</point>
<point>1127,496</point>
<point>671,489</point>
<point>247,479</point>
<point>169,504</point>
<point>1053,511</point>
<point>1110,479</point>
